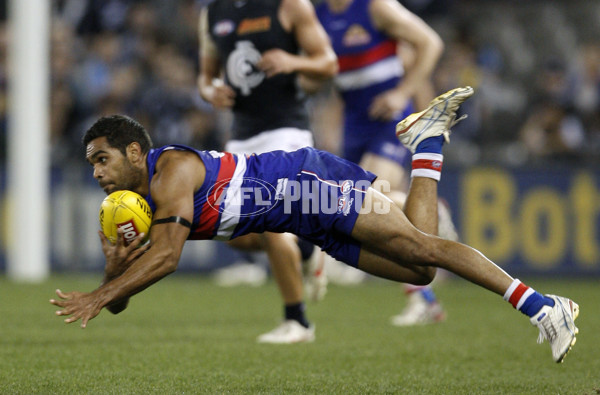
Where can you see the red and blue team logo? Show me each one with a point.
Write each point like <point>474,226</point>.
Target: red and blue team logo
<point>223,28</point>
<point>346,187</point>
<point>344,204</point>
<point>436,164</point>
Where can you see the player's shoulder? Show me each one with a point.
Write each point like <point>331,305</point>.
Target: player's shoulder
<point>174,157</point>
<point>297,9</point>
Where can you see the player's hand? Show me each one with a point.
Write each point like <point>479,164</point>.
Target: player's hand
<point>388,105</point>
<point>223,96</point>
<point>120,256</point>
<point>77,305</point>
<point>276,61</point>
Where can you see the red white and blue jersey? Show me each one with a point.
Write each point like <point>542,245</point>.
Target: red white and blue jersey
<point>367,57</point>
<point>221,170</point>
<point>368,66</point>
<point>308,192</point>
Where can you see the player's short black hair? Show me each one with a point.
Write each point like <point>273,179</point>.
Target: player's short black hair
<point>120,131</point>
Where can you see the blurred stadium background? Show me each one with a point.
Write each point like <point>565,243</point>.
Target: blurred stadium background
<point>522,174</point>
<point>522,178</point>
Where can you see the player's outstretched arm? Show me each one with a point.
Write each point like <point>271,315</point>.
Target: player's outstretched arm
<point>176,178</point>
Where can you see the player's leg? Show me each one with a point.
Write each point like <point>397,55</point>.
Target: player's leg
<point>390,234</point>
<point>393,237</point>
<point>422,306</point>
<point>391,176</point>
<point>284,259</point>
<point>399,241</point>
<point>279,247</point>
<point>282,250</point>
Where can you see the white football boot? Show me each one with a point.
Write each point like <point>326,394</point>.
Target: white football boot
<point>435,120</point>
<point>419,312</point>
<point>315,276</point>
<point>557,325</point>
<point>241,273</point>
<point>290,331</point>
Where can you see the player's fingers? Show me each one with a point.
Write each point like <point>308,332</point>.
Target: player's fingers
<point>84,322</point>
<point>386,114</point>
<point>64,295</point>
<point>136,242</point>
<point>61,312</point>
<point>144,248</point>
<point>224,102</point>
<point>58,303</point>
<point>71,319</point>
<point>120,238</point>
<point>271,70</point>
<point>375,112</point>
<point>65,311</point>
<point>103,238</point>
<point>225,92</point>
<point>230,93</point>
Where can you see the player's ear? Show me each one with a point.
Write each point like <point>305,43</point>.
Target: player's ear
<point>134,152</point>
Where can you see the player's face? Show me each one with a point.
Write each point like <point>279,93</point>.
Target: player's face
<point>112,169</point>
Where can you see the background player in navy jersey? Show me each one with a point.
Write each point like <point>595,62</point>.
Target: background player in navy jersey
<point>378,88</point>
<point>196,195</point>
<point>251,54</point>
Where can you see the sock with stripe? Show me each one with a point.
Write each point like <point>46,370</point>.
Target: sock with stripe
<point>296,312</point>
<point>526,299</point>
<point>427,160</point>
<point>428,295</point>
<point>425,291</point>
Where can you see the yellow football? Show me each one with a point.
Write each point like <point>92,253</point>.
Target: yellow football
<point>128,211</point>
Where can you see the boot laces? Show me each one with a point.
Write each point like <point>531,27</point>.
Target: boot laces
<point>547,331</point>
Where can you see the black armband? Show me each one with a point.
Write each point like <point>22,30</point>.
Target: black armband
<point>173,219</point>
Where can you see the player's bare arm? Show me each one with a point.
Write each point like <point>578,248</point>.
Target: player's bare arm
<point>318,59</point>
<point>119,257</point>
<point>403,26</point>
<point>178,175</point>
<point>210,83</point>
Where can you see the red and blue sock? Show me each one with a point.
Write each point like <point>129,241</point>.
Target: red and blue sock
<point>526,299</point>
<point>425,291</point>
<point>427,161</point>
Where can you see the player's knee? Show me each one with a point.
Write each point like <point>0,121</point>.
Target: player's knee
<point>249,242</point>
<point>269,240</point>
<point>423,252</point>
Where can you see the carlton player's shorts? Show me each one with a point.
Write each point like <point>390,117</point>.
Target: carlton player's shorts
<point>311,193</point>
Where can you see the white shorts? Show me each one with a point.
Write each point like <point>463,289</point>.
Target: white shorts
<point>285,139</point>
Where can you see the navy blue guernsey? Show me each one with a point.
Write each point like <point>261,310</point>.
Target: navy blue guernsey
<point>308,192</point>
<point>242,30</point>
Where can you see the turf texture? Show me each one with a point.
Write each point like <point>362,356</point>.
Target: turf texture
<point>187,335</point>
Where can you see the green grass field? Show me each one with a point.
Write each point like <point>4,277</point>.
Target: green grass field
<point>186,335</point>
